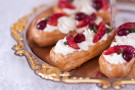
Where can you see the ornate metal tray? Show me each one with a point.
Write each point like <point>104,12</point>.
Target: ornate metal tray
<point>83,74</point>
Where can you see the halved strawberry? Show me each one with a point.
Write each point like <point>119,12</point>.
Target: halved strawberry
<point>100,33</point>
<point>127,25</point>
<point>53,20</point>
<point>123,48</point>
<point>71,42</point>
<point>87,20</point>
<point>105,4</point>
<point>65,4</point>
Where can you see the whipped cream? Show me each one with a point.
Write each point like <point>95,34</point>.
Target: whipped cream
<point>66,24</point>
<point>62,48</point>
<point>124,40</point>
<point>65,49</point>
<point>77,4</point>
<point>50,28</point>
<point>86,7</point>
<point>103,38</point>
<point>80,30</point>
<point>70,11</point>
<point>114,58</point>
<point>98,20</point>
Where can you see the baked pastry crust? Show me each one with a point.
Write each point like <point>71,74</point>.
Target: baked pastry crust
<point>77,58</point>
<point>115,70</point>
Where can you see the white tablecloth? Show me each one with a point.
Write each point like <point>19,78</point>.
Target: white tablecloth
<point>15,73</point>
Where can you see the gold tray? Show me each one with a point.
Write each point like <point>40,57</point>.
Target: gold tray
<point>40,65</point>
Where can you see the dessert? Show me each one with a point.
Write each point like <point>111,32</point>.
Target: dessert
<point>117,61</point>
<point>69,7</point>
<point>48,29</point>
<point>72,51</point>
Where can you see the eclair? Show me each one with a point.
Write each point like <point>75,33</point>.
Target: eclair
<point>48,29</point>
<point>72,51</point>
<point>69,7</point>
<point>117,61</point>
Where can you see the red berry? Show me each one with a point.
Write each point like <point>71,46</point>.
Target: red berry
<point>71,42</point>
<point>41,25</point>
<point>105,4</point>
<point>80,16</point>
<point>127,55</point>
<point>123,48</point>
<point>97,4</point>
<point>87,20</point>
<point>100,32</point>
<point>128,25</point>
<point>79,38</point>
<point>93,25</point>
<point>53,20</point>
<point>123,31</point>
<point>65,4</point>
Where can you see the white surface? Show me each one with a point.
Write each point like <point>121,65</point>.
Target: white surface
<point>15,73</point>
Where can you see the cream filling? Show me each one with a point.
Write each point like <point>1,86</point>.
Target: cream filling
<point>124,40</point>
<point>80,30</point>
<point>70,11</point>
<point>114,58</point>
<point>98,20</point>
<point>65,49</point>
<point>65,25</point>
<point>62,48</point>
<point>50,28</point>
<point>86,7</point>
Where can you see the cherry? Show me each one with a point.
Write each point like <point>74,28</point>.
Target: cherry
<point>79,38</point>
<point>97,4</point>
<point>42,24</point>
<point>93,25</point>
<point>123,31</point>
<point>127,55</point>
<point>80,16</point>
